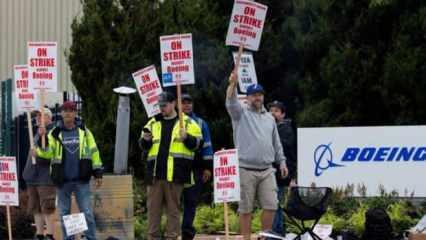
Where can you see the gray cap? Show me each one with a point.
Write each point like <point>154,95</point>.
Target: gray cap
<point>166,97</point>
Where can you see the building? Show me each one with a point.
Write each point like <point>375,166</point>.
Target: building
<point>35,20</point>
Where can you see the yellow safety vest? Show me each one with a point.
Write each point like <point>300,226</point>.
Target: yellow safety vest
<point>180,158</point>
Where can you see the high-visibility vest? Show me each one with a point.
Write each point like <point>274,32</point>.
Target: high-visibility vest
<point>180,158</point>
<point>88,152</point>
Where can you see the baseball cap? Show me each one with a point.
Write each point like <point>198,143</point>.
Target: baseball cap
<point>186,97</point>
<point>277,104</point>
<point>255,88</point>
<point>166,97</point>
<point>46,111</point>
<point>69,105</point>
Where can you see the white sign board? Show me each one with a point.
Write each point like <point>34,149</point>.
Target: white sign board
<point>246,71</point>
<point>149,89</point>
<point>246,24</point>
<point>75,224</point>
<point>323,230</point>
<point>9,191</point>
<point>226,176</point>
<point>394,157</point>
<point>177,59</point>
<point>42,66</point>
<point>26,98</point>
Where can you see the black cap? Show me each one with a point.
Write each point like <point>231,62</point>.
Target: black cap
<point>277,104</point>
<point>166,97</point>
<point>186,97</point>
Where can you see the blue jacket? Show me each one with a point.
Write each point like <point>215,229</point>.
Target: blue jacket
<point>204,158</point>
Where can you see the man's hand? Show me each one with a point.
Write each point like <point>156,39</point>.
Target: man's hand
<point>293,183</point>
<point>98,182</point>
<point>147,136</point>
<point>33,152</point>
<point>41,131</point>
<point>284,171</point>
<point>206,175</point>
<point>182,133</point>
<point>233,78</point>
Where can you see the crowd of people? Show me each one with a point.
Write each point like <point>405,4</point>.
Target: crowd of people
<point>178,152</point>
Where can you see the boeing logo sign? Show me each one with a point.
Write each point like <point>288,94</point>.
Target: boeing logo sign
<point>323,156</point>
<point>389,157</point>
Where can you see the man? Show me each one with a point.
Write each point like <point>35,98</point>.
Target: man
<point>258,143</point>
<point>201,169</point>
<point>74,160</point>
<point>40,189</point>
<point>171,150</point>
<point>288,141</point>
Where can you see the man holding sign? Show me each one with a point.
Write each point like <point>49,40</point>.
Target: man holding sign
<point>75,159</point>
<point>171,149</point>
<point>257,140</point>
<point>40,188</point>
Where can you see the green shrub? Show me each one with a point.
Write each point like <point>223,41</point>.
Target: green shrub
<point>210,219</point>
<point>401,221</point>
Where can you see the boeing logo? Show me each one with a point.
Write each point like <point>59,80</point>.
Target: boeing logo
<point>323,156</point>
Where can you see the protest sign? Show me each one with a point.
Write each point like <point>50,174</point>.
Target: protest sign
<point>75,223</point>
<point>177,59</point>
<point>149,88</point>
<point>42,66</point>
<point>26,97</point>
<point>246,24</point>
<point>9,192</point>
<point>246,71</point>
<point>226,176</point>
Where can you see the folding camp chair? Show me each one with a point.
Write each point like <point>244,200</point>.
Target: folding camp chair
<point>307,204</point>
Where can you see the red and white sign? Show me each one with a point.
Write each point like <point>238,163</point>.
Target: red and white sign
<point>149,89</point>
<point>9,192</point>
<point>177,58</point>
<point>42,66</point>
<point>246,25</point>
<point>26,98</point>
<point>226,176</point>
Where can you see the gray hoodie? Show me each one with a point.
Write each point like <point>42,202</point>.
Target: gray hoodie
<point>255,136</point>
<point>38,174</point>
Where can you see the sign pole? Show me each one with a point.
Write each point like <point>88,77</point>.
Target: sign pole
<point>179,99</point>
<point>9,224</point>
<point>225,209</point>
<point>237,64</point>
<point>43,139</point>
<point>30,134</point>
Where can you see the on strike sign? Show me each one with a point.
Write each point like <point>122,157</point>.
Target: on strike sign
<point>75,223</point>
<point>26,97</point>
<point>226,176</point>
<point>246,25</point>
<point>177,59</point>
<point>9,194</point>
<point>149,89</point>
<point>246,71</point>
<point>42,65</point>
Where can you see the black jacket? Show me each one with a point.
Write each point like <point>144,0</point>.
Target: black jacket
<point>288,141</point>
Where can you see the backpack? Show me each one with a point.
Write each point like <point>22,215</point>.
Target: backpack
<point>378,225</point>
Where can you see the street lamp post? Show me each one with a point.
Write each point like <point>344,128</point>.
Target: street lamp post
<point>122,130</point>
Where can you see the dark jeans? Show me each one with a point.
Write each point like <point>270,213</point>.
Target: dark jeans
<point>191,197</point>
<point>278,225</point>
<point>82,195</point>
